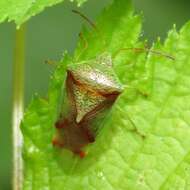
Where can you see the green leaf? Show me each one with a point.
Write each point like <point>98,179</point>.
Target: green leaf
<point>144,143</point>
<point>21,10</point>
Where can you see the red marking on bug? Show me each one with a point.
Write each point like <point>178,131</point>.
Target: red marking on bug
<point>82,154</point>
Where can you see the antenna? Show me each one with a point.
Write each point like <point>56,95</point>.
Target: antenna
<point>144,50</point>
<point>91,23</point>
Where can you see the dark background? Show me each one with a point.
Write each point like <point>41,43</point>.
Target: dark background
<point>48,35</point>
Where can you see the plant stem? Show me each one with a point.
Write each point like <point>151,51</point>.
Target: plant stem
<point>18,106</point>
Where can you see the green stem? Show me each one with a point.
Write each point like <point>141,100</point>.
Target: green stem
<point>18,104</point>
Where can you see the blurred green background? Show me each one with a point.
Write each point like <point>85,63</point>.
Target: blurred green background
<point>48,35</point>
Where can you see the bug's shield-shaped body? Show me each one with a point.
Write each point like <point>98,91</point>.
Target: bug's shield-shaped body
<point>91,89</point>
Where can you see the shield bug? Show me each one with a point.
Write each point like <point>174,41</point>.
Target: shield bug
<point>91,88</point>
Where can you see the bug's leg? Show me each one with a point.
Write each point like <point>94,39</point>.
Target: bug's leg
<point>135,129</point>
<point>145,49</point>
<point>143,93</point>
<point>145,84</point>
<point>57,143</point>
<point>85,44</point>
<point>50,62</point>
<point>83,39</point>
